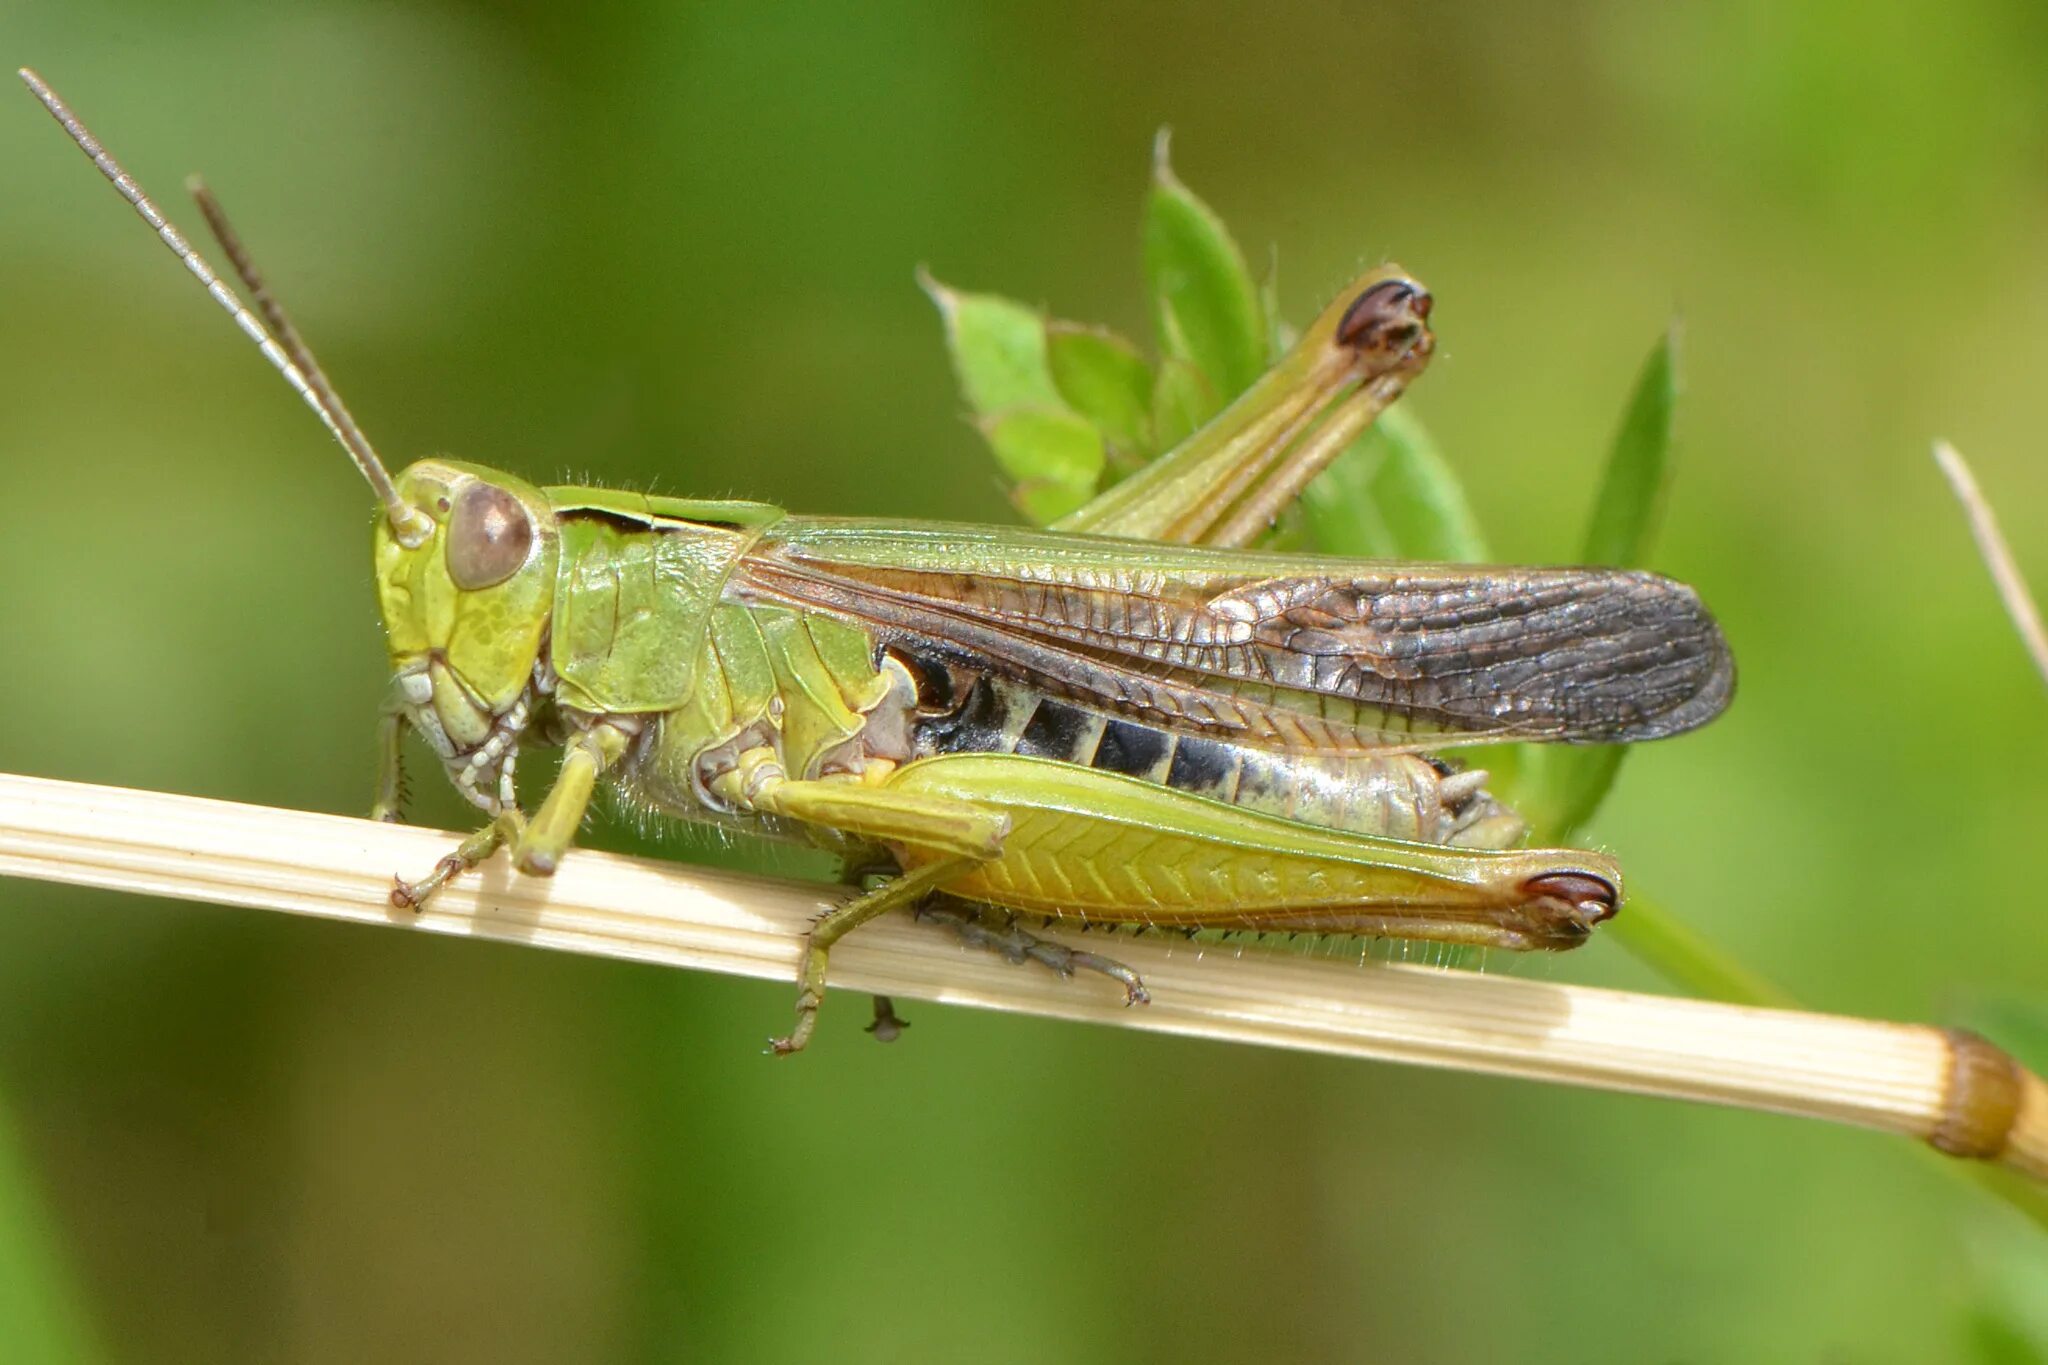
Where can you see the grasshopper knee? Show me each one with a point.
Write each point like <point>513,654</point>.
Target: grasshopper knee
<point>1593,900</point>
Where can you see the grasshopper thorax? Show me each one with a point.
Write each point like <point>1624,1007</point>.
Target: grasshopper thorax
<point>466,610</point>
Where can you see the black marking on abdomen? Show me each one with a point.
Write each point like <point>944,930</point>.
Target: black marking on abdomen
<point>1205,767</point>
<point>1393,796</point>
<point>1056,730</point>
<point>1133,750</point>
<point>983,724</point>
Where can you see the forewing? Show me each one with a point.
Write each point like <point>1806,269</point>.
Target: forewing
<point>1319,654</point>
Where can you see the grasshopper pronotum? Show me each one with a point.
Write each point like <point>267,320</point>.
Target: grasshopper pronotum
<point>1131,719</point>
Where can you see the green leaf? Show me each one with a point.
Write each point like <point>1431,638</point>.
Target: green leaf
<point>1182,399</point>
<point>1105,379</point>
<point>998,350</point>
<point>1204,302</point>
<point>1279,335</point>
<point>1564,788</point>
<point>1052,457</point>
<point>1342,510</point>
<point>1391,496</point>
<point>1631,501</point>
<point>1423,502</point>
<point>1004,355</point>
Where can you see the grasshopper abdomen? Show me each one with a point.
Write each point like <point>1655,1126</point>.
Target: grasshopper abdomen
<point>1413,797</point>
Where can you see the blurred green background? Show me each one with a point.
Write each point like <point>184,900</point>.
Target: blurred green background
<point>672,246</point>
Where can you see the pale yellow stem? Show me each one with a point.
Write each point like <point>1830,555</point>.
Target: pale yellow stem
<point>1899,1078</point>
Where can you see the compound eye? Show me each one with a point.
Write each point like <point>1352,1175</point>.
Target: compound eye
<point>489,536</point>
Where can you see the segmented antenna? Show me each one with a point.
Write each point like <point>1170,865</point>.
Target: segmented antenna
<point>324,396</point>
<point>290,358</point>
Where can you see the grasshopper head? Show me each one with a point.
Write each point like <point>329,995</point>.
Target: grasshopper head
<point>467,607</point>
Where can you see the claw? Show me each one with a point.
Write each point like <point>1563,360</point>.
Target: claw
<point>1014,945</point>
<point>1134,986</point>
<point>407,895</point>
<point>807,1003</point>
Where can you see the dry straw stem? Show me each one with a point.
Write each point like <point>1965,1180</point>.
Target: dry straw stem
<point>2005,572</point>
<point>1950,1089</point>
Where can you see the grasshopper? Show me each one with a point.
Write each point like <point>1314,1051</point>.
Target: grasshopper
<point>1132,719</point>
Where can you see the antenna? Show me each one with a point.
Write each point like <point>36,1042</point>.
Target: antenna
<point>292,358</point>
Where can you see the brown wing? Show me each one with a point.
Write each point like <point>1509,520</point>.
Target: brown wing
<point>1285,651</point>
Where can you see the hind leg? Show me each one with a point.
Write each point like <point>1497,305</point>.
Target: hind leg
<point>1225,484</point>
<point>997,931</point>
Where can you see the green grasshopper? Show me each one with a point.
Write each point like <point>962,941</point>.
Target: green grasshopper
<point>1131,719</point>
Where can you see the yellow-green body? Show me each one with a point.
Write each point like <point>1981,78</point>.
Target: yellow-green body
<point>1130,719</point>
<point>656,618</point>
<point>1066,724</point>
